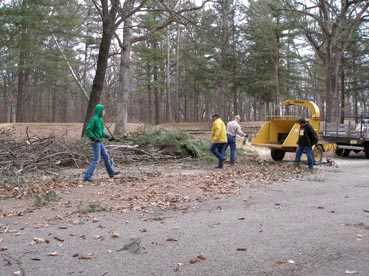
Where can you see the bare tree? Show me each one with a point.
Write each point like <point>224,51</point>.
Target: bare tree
<point>108,10</point>
<point>328,25</point>
<point>174,14</point>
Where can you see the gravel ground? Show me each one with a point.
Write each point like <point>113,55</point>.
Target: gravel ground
<point>318,226</point>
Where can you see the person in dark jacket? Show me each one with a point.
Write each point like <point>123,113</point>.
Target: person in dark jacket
<point>95,131</point>
<point>306,142</point>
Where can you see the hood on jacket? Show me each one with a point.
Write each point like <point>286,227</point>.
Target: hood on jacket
<point>99,110</point>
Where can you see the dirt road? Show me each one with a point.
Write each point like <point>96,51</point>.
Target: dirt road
<point>319,226</point>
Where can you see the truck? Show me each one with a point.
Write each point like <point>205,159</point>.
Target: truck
<point>350,135</point>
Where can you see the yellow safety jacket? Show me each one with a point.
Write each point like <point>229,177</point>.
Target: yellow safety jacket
<point>218,132</point>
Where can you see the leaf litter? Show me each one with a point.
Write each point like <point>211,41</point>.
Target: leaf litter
<point>145,187</point>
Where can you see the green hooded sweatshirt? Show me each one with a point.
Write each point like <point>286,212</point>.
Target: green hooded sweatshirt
<point>95,129</point>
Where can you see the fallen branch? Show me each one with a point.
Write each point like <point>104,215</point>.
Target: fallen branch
<point>133,148</point>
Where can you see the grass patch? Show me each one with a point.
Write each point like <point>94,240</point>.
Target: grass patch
<point>90,207</point>
<point>162,137</point>
<point>203,148</point>
<point>177,143</point>
<point>45,199</point>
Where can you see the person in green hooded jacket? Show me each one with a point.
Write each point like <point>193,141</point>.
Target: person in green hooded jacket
<point>95,131</point>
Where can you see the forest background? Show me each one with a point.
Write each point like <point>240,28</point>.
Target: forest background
<point>158,61</point>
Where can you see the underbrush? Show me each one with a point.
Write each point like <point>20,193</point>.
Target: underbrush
<point>90,207</point>
<point>45,199</point>
<point>178,143</point>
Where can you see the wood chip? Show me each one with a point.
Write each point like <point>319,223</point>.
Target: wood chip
<point>83,257</point>
<point>59,239</point>
<point>171,240</point>
<point>115,235</point>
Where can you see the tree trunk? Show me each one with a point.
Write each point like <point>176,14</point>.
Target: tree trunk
<point>255,109</point>
<point>185,108</point>
<point>3,105</point>
<point>102,60</point>
<point>54,104</point>
<point>235,82</point>
<point>149,93</point>
<point>207,107</point>
<point>342,106</point>
<point>235,101</point>
<point>168,103</point>
<point>156,89</point>
<point>177,85</point>
<point>23,85</point>
<point>98,83</point>
<point>276,68</point>
<point>196,103</point>
<point>355,91</point>
<point>124,81</point>
<point>23,72</point>
<point>332,63</point>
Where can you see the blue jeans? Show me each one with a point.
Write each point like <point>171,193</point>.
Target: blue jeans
<point>98,151</point>
<point>218,150</point>
<point>232,145</point>
<point>309,153</point>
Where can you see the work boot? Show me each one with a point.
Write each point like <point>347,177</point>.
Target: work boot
<point>114,174</point>
<point>220,164</point>
<point>87,180</point>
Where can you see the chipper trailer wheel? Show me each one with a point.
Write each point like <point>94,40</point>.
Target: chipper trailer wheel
<point>318,153</point>
<point>277,155</point>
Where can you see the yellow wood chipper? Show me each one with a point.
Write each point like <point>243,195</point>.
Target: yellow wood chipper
<point>281,133</point>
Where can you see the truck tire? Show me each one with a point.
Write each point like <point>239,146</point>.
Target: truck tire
<point>277,155</point>
<point>339,152</point>
<point>366,150</point>
<point>346,152</point>
<point>318,153</point>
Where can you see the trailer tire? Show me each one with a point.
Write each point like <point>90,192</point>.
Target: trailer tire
<point>277,155</point>
<point>318,153</point>
<point>366,151</point>
<point>346,152</point>
<point>339,152</point>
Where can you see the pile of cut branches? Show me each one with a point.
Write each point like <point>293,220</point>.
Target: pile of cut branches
<point>48,155</point>
<point>37,154</point>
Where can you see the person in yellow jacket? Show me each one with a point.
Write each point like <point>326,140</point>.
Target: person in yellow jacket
<point>218,139</point>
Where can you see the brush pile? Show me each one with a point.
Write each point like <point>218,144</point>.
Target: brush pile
<point>35,154</point>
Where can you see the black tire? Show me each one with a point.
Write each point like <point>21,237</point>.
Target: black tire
<point>366,151</point>
<point>318,153</point>
<point>277,155</point>
<point>346,153</point>
<point>339,152</point>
